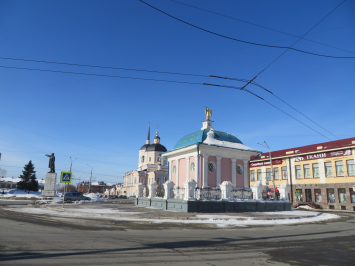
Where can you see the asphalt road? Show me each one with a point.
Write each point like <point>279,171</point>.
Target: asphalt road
<point>14,202</point>
<point>28,239</point>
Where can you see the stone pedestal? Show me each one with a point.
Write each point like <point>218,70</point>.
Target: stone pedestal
<point>257,189</point>
<point>226,188</point>
<point>168,187</point>
<point>140,188</point>
<point>284,190</point>
<point>189,186</point>
<point>49,186</point>
<point>152,189</point>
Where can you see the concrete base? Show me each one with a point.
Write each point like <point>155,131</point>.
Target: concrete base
<point>214,206</point>
<point>49,186</point>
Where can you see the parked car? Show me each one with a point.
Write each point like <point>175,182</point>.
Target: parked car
<point>72,196</point>
<point>132,197</point>
<point>122,197</point>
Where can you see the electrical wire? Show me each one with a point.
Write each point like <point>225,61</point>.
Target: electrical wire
<point>252,43</point>
<point>260,26</point>
<point>114,68</point>
<point>192,83</point>
<point>300,39</point>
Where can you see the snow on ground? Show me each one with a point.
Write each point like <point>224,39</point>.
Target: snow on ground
<point>103,211</point>
<point>305,207</point>
<point>94,197</point>
<point>21,194</point>
<point>298,213</point>
<point>219,222</point>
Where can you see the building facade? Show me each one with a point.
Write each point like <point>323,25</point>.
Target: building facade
<point>95,187</point>
<point>210,157</point>
<point>150,168</point>
<point>323,174</point>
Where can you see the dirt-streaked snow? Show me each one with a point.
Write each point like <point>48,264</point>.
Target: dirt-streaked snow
<point>218,221</point>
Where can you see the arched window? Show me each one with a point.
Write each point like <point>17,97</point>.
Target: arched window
<point>135,180</point>
<point>142,159</point>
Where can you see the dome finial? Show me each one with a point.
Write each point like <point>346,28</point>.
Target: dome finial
<point>208,113</point>
<point>157,138</point>
<point>148,139</point>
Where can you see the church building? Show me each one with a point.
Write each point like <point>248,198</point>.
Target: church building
<point>150,168</point>
<point>210,157</point>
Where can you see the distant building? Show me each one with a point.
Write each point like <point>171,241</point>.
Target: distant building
<point>150,168</point>
<point>323,174</point>
<point>96,187</point>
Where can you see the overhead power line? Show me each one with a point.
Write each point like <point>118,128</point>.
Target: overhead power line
<point>170,81</point>
<point>282,55</point>
<point>243,41</point>
<point>260,26</point>
<point>113,68</point>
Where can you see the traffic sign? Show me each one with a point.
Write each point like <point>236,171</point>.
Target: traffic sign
<point>65,177</point>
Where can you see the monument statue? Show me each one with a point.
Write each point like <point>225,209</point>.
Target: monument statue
<point>208,113</point>
<point>51,163</point>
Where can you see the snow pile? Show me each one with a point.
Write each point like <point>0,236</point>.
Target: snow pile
<point>94,197</point>
<point>210,140</point>
<point>297,213</point>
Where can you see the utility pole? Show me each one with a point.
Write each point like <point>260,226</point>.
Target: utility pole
<point>272,172</point>
<point>71,162</point>
<point>90,176</point>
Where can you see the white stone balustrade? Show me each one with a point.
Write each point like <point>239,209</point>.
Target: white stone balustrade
<point>168,187</point>
<point>190,186</point>
<point>284,189</point>
<point>257,189</point>
<point>152,189</point>
<point>140,188</point>
<point>226,188</point>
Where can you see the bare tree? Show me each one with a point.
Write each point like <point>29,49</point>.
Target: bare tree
<point>69,188</point>
<point>3,172</point>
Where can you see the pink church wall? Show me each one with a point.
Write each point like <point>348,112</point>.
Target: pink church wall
<point>182,172</point>
<point>212,176</point>
<point>240,178</point>
<point>226,170</point>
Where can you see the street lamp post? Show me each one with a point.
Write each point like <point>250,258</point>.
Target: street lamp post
<point>90,176</point>
<point>272,172</point>
<point>71,162</point>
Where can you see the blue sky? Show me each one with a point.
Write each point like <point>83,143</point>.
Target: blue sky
<point>103,121</point>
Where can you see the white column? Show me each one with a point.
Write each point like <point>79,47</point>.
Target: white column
<point>246,173</point>
<point>293,171</point>
<point>177,173</point>
<point>234,172</point>
<point>288,171</point>
<point>322,178</point>
<point>263,175</point>
<point>226,188</point>
<point>170,168</point>
<point>219,158</point>
<point>205,170</point>
<point>187,159</point>
<point>196,169</point>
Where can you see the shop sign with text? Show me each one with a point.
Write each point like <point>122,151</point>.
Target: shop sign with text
<point>266,163</point>
<point>323,155</point>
